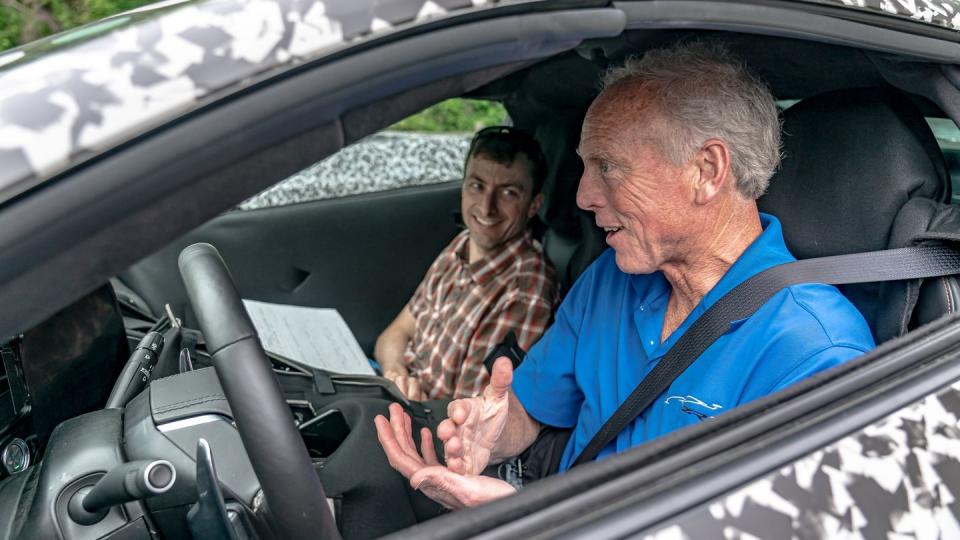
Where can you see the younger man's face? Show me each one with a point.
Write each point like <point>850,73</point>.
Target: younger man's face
<point>497,201</point>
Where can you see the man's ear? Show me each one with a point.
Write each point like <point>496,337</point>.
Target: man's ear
<point>535,205</point>
<point>713,165</point>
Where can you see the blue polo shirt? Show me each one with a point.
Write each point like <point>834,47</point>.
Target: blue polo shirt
<point>606,338</point>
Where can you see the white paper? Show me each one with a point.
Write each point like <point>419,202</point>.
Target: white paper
<point>317,337</point>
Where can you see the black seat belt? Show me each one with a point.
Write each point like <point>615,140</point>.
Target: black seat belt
<point>887,265</point>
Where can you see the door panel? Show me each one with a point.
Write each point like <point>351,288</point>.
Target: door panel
<point>363,255</point>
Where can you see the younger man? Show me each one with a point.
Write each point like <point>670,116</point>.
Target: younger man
<point>491,279</point>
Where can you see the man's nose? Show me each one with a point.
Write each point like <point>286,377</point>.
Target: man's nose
<point>588,196</point>
<point>489,203</point>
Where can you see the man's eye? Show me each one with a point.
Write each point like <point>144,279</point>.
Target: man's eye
<point>512,193</point>
<point>476,186</point>
<point>604,167</point>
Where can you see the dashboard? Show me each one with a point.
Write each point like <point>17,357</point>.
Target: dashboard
<point>60,369</point>
<point>18,443</point>
<point>62,444</point>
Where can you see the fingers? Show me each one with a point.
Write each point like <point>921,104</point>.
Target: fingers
<point>399,381</point>
<point>500,378</point>
<point>402,429</point>
<point>404,384</point>
<point>426,448</point>
<point>409,387</point>
<point>396,456</point>
<point>413,389</point>
<point>456,464</point>
<point>459,410</point>
<point>446,430</point>
<point>454,446</point>
<point>396,438</point>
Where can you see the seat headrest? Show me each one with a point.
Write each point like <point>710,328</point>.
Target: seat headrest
<point>559,137</point>
<point>852,158</point>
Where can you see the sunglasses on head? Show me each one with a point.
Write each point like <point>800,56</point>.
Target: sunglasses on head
<point>522,140</point>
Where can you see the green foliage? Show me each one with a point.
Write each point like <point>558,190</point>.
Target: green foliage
<point>457,115</point>
<point>10,24</point>
<point>72,13</point>
<point>48,14</point>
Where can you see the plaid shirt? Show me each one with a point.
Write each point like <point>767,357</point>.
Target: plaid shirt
<point>463,310</point>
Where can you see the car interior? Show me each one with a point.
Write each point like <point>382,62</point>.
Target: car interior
<point>862,171</point>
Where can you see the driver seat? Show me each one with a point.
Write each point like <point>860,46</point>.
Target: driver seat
<point>862,171</point>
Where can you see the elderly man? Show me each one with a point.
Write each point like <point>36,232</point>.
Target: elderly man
<point>676,149</point>
<point>492,279</point>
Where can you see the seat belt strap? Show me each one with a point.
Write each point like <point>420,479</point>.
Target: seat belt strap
<point>745,299</point>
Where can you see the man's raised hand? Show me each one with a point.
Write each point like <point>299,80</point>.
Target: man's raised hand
<point>423,469</point>
<point>473,425</point>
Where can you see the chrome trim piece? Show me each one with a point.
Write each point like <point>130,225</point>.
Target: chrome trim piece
<point>146,476</point>
<point>190,422</point>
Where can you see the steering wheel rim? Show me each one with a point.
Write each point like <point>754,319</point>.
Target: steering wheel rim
<point>294,494</point>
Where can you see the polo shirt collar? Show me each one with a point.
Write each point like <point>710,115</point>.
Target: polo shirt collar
<point>485,269</point>
<point>766,251</point>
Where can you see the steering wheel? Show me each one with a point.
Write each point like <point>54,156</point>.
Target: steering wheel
<point>295,497</point>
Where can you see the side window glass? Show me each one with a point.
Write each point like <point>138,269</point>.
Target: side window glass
<point>948,136</point>
<point>426,148</point>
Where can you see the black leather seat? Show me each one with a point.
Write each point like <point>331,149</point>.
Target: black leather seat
<point>572,240</point>
<point>861,172</point>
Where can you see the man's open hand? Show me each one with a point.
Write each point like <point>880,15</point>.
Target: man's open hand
<point>473,425</point>
<point>424,470</point>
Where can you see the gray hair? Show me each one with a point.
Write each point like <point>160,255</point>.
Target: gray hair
<point>704,93</point>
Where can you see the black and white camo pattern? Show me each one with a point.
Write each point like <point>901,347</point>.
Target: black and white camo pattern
<point>63,102</point>
<point>72,102</point>
<point>386,160</point>
<point>898,478</point>
<point>945,13</point>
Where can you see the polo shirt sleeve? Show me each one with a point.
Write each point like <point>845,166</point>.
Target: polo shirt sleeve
<point>819,361</point>
<point>546,383</point>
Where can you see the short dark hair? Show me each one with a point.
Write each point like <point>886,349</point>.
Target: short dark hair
<point>503,143</point>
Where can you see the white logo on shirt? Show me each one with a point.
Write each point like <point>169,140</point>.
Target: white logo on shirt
<point>694,406</point>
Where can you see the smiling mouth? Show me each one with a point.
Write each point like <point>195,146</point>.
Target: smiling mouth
<point>485,222</point>
<point>611,231</point>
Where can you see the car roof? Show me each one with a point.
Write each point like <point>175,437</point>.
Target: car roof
<point>73,96</point>
<point>943,13</point>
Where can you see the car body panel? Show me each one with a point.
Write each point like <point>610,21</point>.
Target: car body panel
<point>896,476</point>
<point>79,101</point>
<point>943,13</point>
<point>62,102</point>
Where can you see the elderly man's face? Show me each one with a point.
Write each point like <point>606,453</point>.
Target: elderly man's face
<point>497,201</point>
<point>641,199</point>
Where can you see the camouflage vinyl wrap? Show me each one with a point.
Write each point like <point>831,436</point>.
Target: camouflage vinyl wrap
<point>894,479</point>
<point>77,94</point>
<point>945,13</point>
<point>82,92</point>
